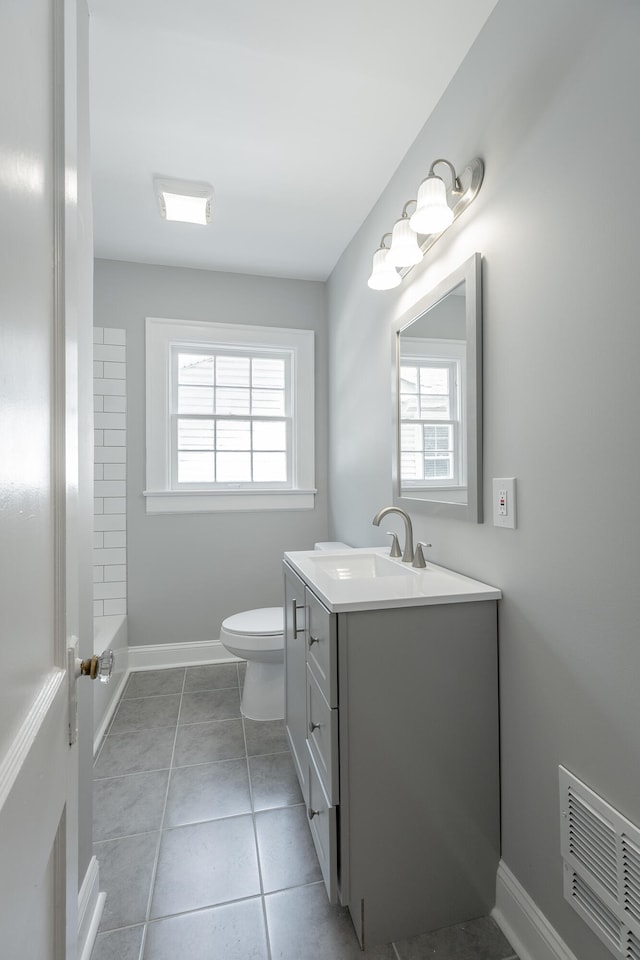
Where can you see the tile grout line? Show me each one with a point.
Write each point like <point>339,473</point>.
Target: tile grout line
<point>255,831</point>
<point>132,773</point>
<point>155,696</point>
<point>154,871</point>
<point>186,766</point>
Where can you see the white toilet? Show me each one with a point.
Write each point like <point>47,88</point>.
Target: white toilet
<point>257,636</point>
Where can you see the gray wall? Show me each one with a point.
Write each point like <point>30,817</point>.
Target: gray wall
<point>187,573</point>
<point>548,97</point>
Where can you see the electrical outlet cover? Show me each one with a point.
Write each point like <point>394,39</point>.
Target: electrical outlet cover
<point>504,502</point>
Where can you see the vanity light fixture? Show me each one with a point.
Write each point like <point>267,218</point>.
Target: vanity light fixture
<point>404,250</point>
<point>433,214</point>
<point>184,200</point>
<point>384,276</point>
<point>436,208</point>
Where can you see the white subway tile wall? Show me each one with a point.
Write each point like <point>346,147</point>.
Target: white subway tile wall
<point>110,490</point>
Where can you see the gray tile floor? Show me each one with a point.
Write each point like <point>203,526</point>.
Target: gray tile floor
<point>203,844</point>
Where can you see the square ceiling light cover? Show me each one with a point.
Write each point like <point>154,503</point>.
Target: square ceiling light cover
<point>184,200</point>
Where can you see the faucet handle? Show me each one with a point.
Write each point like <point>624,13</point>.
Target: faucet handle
<point>395,546</point>
<point>418,560</point>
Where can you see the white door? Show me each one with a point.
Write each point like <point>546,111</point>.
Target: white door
<point>38,479</point>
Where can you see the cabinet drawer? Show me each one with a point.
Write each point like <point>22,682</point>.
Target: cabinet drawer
<point>322,823</point>
<point>322,736</point>
<point>321,648</point>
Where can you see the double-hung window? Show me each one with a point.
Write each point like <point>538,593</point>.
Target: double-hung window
<point>229,417</point>
<point>432,450</point>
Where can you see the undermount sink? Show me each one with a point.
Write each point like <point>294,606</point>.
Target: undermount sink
<point>360,566</point>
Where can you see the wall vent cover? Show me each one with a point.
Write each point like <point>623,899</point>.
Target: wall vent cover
<point>632,947</point>
<point>601,853</point>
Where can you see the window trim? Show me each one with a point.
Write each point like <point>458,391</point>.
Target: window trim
<point>162,334</point>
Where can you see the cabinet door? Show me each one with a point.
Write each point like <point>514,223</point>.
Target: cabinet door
<point>322,648</point>
<point>295,700</point>
<point>323,737</point>
<point>323,825</point>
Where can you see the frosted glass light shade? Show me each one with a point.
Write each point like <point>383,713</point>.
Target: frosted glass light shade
<point>432,214</point>
<point>404,250</point>
<point>383,276</point>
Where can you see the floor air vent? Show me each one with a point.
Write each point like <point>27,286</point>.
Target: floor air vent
<point>601,853</point>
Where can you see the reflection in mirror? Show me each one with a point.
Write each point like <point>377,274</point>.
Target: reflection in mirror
<point>437,398</point>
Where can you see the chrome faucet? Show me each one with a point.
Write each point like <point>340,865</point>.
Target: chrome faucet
<point>407,556</point>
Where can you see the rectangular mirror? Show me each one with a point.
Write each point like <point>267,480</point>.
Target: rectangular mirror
<point>437,399</point>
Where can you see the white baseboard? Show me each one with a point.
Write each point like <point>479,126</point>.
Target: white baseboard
<point>111,707</point>
<point>523,923</point>
<point>159,655</point>
<point>90,907</point>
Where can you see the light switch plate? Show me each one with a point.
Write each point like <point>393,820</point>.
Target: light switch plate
<point>504,502</point>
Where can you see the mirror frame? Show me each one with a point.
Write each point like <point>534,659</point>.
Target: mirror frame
<point>470,273</point>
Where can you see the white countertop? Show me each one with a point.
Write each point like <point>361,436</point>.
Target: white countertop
<point>344,590</point>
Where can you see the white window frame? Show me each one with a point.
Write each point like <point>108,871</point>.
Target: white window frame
<point>162,336</point>
<point>443,352</point>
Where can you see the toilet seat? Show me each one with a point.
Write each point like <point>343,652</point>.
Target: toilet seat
<point>254,632</point>
<point>265,622</point>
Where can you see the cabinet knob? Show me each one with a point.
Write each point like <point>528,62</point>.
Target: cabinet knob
<point>313,640</point>
<point>314,726</point>
<point>313,813</point>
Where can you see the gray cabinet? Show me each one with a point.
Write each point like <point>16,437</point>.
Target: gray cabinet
<point>397,754</point>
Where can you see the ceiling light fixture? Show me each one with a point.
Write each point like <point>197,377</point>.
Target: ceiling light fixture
<point>436,209</point>
<point>184,200</point>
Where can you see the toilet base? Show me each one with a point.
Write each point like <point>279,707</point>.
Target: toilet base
<point>263,691</point>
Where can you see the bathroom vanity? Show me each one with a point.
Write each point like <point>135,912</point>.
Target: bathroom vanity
<point>391,699</point>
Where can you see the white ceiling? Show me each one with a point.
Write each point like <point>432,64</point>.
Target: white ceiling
<point>297,113</point>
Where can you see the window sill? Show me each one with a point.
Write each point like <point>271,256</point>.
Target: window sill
<point>205,501</point>
<point>436,488</point>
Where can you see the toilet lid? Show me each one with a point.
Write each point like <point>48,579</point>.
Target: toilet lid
<point>266,621</point>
